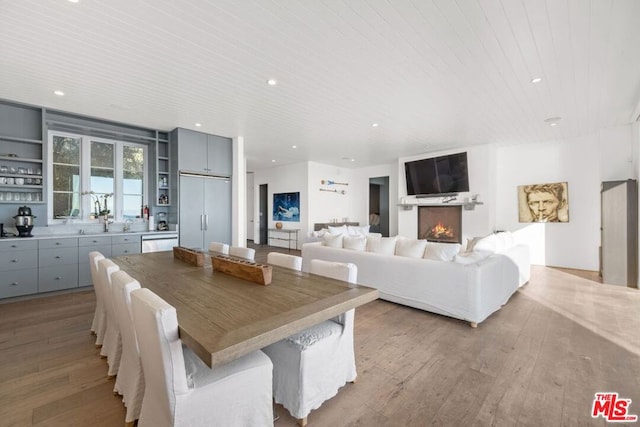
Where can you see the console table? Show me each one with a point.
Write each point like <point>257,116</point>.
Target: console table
<point>291,236</point>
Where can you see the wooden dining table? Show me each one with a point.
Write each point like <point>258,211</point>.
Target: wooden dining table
<point>221,317</point>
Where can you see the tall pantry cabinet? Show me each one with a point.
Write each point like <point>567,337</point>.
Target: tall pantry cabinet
<point>203,174</point>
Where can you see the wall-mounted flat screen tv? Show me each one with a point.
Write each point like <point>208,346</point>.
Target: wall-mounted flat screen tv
<point>437,176</point>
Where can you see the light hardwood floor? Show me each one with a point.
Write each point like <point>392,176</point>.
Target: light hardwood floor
<point>538,361</point>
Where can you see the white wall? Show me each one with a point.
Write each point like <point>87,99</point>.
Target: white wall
<point>325,206</point>
<point>250,207</point>
<point>239,189</point>
<point>283,179</point>
<point>582,162</point>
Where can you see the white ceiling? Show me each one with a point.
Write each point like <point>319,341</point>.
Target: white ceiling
<point>435,74</point>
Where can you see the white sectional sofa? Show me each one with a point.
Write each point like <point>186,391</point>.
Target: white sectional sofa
<point>470,287</point>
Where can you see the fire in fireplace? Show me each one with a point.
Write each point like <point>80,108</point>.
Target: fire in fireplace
<point>440,223</point>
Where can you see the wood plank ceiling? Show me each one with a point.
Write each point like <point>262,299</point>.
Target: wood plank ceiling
<point>434,74</point>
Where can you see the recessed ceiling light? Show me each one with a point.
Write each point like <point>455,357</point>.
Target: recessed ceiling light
<point>272,82</point>
<point>375,125</point>
<point>58,92</point>
<point>198,125</point>
<point>74,1</point>
<point>273,161</point>
<point>536,80</point>
<point>294,146</point>
<point>553,121</point>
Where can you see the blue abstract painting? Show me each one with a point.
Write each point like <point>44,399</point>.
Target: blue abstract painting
<point>286,207</point>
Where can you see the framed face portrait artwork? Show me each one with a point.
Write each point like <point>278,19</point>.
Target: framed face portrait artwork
<point>543,202</point>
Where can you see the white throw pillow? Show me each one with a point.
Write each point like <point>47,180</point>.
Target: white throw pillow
<point>412,248</point>
<point>356,243</point>
<point>441,251</point>
<point>338,230</point>
<point>320,233</point>
<point>374,236</point>
<point>384,245</point>
<point>487,244</point>
<point>358,231</point>
<point>332,241</point>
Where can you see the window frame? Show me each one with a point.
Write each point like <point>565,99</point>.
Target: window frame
<point>86,202</point>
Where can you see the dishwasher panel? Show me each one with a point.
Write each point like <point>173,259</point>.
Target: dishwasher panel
<point>159,243</point>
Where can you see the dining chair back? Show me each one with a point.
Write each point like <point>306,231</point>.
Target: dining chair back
<point>98,325</point>
<point>310,367</point>
<point>181,390</point>
<point>284,260</point>
<point>130,379</point>
<point>222,248</point>
<point>112,343</point>
<point>242,252</point>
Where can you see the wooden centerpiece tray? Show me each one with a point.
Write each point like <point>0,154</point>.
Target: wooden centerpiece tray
<point>191,256</point>
<point>242,269</point>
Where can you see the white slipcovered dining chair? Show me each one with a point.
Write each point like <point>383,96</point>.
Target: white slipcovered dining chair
<point>112,343</point>
<point>240,252</point>
<point>310,366</point>
<point>284,260</point>
<point>130,379</point>
<point>98,325</point>
<point>181,390</point>
<point>222,248</point>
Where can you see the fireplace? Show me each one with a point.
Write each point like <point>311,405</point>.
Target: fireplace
<point>440,223</point>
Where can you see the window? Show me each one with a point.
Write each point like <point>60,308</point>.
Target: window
<point>93,175</point>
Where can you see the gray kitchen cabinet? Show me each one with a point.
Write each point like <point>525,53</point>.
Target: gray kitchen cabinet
<point>205,211</point>
<point>125,245</point>
<point>86,245</point>
<point>57,264</point>
<point>202,153</point>
<point>18,268</point>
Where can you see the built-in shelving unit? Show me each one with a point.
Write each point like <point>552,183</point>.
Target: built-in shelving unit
<point>21,154</point>
<point>163,178</point>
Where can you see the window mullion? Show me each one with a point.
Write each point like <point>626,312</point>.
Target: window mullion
<point>85,176</point>
<point>119,179</point>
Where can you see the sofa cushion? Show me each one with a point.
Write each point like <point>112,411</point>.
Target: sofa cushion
<point>412,248</point>
<point>504,241</point>
<point>441,251</point>
<point>332,240</point>
<point>356,243</point>
<point>470,257</point>
<point>384,245</point>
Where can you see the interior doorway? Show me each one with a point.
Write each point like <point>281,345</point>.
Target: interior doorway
<point>262,213</point>
<point>379,205</point>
